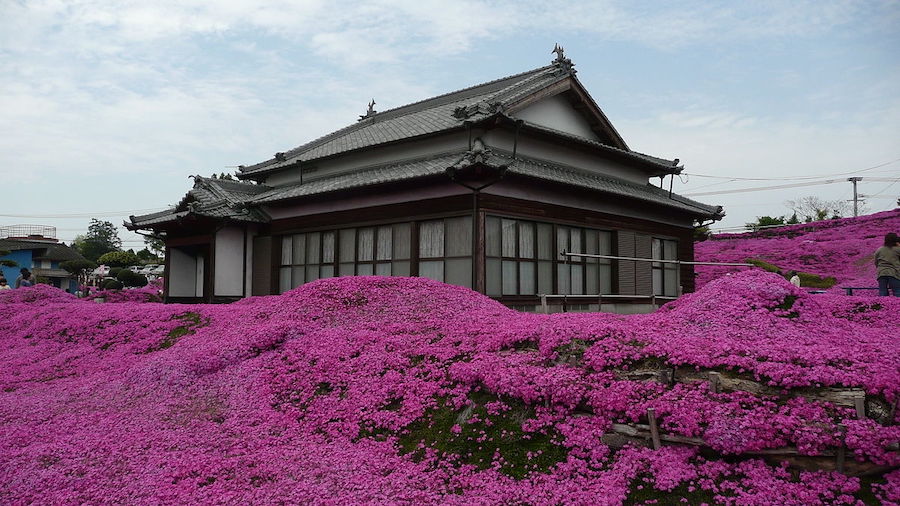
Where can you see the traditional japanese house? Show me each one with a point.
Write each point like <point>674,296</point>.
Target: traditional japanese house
<point>482,187</point>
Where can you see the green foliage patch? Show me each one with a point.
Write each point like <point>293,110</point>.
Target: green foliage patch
<point>192,322</point>
<point>480,436</point>
<point>807,280</point>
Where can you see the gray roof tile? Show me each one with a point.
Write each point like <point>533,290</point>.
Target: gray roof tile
<point>420,118</point>
<point>214,198</point>
<point>523,166</point>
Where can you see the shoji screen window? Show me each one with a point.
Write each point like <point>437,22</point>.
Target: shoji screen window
<point>665,275</point>
<point>381,251</point>
<point>519,257</point>
<point>581,275</point>
<point>445,250</point>
<point>598,271</point>
<point>306,257</point>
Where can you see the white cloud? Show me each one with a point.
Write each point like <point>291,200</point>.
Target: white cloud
<point>171,87</point>
<point>723,143</point>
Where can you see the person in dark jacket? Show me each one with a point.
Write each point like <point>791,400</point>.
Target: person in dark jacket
<point>887,264</point>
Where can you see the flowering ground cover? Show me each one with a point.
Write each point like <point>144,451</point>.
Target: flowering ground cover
<point>406,390</point>
<point>842,249</point>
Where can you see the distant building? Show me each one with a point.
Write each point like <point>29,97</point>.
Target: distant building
<point>482,187</point>
<point>35,248</point>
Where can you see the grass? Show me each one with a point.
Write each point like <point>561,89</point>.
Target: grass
<point>807,280</point>
<point>520,452</point>
<point>192,322</point>
<point>673,497</point>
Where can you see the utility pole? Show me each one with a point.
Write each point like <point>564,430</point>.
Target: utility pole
<point>855,180</point>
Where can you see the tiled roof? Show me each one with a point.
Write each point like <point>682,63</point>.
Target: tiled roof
<point>214,198</point>
<point>43,250</point>
<point>576,177</point>
<point>420,118</point>
<point>523,166</point>
<point>387,173</point>
<point>663,163</point>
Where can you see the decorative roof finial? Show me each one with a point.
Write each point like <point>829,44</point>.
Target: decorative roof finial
<point>370,112</point>
<point>560,55</point>
<point>564,64</point>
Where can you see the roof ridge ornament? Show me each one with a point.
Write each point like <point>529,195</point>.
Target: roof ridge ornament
<point>483,108</point>
<point>563,64</point>
<point>370,112</point>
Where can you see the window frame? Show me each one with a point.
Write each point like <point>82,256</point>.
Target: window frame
<point>556,260</point>
<point>661,268</point>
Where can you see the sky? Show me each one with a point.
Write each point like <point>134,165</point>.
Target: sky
<point>106,107</point>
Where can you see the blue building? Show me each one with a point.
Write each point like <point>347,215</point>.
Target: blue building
<point>42,255</point>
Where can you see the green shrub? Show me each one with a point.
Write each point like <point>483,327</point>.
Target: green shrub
<point>807,280</point>
<point>113,284</point>
<point>813,281</point>
<point>114,272</point>
<point>119,259</point>
<point>78,267</point>
<point>762,264</point>
<point>129,278</point>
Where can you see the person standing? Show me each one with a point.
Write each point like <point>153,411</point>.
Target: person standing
<point>887,263</point>
<point>22,275</point>
<point>4,285</point>
<point>795,279</point>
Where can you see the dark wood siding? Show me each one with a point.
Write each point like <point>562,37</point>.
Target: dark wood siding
<point>262,265</point>
<point>643,271</point>
<point>627,269</point>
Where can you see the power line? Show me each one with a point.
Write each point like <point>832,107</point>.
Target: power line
<point>97,214</point>
<point>793,178</point>
<point>762,188</point>
<point>791,185</point>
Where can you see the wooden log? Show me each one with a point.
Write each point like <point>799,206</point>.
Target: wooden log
<point>654,430</point>
<point>829,460</point>
<point>714,382</point>
<point>841,450</point>
<point>664,376</point>
<point>860,404</point>
<point>730,381</point>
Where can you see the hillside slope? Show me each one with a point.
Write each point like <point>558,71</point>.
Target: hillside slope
<point>843,249</point>
<point>405,390</point>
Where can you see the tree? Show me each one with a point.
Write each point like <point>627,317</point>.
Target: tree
<point>119,259</point>
<point>156,245</point>
<point>7,263</point>
<point>129,278</point>
<point>102,237</point>
<point>765,221</point>
<point>701,233</point>
<point>146,256</point>
<point>81,269</point>
<point>813,208</point>
<point>223,175</point>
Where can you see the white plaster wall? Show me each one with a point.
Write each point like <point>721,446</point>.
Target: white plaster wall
<point>556,112</point>
<point>456,141</point>
<point>182,274</point>
<point>567,155</point>
<point>229,259</point>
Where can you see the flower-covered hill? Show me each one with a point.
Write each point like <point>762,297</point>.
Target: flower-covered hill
<point>842,249</point>
<point>405,390</point>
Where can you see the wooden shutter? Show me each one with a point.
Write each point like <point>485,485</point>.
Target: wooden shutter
<point>643,276</point>
<point>262,265</point>
<point>627,269</point>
